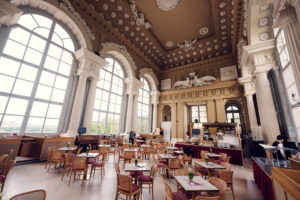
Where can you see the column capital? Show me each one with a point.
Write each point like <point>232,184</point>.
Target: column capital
<point>132,85</point>
<point>248,85</point>
<point>155,97</point>
<point>284,14</point>
<point>9,14</point>
<point>89,63</point>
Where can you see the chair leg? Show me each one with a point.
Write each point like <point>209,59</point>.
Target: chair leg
<point>152,186</point>
<point>91,172</point>
<point>116,198</point>
<point>63,174</point>
<point>70,178</point>
<point>232,191</point>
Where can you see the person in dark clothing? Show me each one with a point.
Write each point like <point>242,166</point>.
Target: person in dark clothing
<point>131,137</point>
<point>280,152</point>
<point>161,131</point>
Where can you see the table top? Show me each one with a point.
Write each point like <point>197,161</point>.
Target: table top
<point>103,145</point>
<point>144,145</point>
<point>179,152</point>
<point>89,155</point>
<point>140,141</point>
<point>198,184</point>
<point>210,165</point>
<point>130,150</point>
<point>67,148</point>
<point>212,155</point>
<point>166,156</point>
<point>173,148</point>
<point>130,167</point>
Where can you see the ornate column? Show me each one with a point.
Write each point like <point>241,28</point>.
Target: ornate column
<point>286,18</point>
<point>132,89</point>
<point>155,101</point>
<point>249,91</point>
<point>89,66</point>
<point>9,14</point>
<point>134,112</point>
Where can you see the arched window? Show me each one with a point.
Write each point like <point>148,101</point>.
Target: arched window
<point>233,115</point>
<point>143,108</point>
<point>35,65</point>
<point>109,98</point>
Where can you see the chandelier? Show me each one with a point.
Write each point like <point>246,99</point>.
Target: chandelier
<point>167,5</point>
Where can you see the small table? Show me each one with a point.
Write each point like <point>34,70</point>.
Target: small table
<point>145,145</point>
<point>133,150</point>
<point>172,148</point>
<point>168,157</point>
<point>104,145</point>
<point>197,185</point>
<point>141,167</point>
<point>179,152</point>
<point>67,149</point>
<point>212,155</point>
<point>210,166</point>
<point>87,156</point>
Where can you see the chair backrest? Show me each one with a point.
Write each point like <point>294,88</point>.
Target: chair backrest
<point>56,155</point>
<point>226,175</point>
<point>9,153</point>
<point>226,165</point>
<point>159,146</point>
<point>103,141</point>
<point>124,182</point>
<point>202,154</point>
<point>220,184</point>
<point>68,157</point>
<point>117,168</point>
<point>125,146</point>
<point>174,163</point>
<point>103,150</point>
<point>168,191</point>
<point>7,167</point>
<point>153,170</point>
<point>224,157</point>
<point>186,170</point>
<point>128,155</point>
<point>79,163</point>
<point>186,157</point>
<point>3,159</point>
<point>32,195</point>
<point>90,146</point>
<point>79,150</point>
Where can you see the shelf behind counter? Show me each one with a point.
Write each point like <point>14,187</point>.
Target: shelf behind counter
<point>235,153</point>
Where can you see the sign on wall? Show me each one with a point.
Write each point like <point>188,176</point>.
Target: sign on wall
<point>166,84</point>
<point>228,73</point>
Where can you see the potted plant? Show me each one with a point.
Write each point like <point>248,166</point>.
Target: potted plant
<point>210,150</point>
<point>206,160</point>
<point>166,151</point>
<point>68,145</point>
<point>191,175</point>
<point>181,149</point>
<point>129,146</point>
<point>87,150</point>
<point>136,162</point>
<point>3,137</point>
<point>172,145</point>
<point>104,143</point>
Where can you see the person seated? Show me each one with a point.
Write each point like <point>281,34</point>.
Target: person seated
<point>280,152</point>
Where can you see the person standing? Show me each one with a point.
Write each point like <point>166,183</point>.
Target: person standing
<point>279,143</point>
<point>131,137</point>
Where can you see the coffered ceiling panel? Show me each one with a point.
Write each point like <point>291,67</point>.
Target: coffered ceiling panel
<point>175,32</point>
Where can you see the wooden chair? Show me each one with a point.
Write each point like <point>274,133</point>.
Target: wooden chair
<point>128,155</point>
<point>32,195</point>
<point>121,155</point>
<point>173,165</point>
<point>173,195</point>
<point>158,148</point>
<point>146,152</point>
<point>99,164</point>
<point>148,180</point>
<point>202,154</point>
<point>125,146</point>
<point>227,176</point>
<point>117,168</point>
<point>201,170</point>
<point>113,150</point>
<point>101,142</point>
<point>187,159</point>
<point>67,163</point>
<point>103,151</point>
<point>79,166</point>
<point>5,170</point>
<point>50,150</point>
<point>79,150</point>
<point>3,161</point>
<point>160,165</point>
<point>126,187</point>
<point>220,195</point>
<point>56,158</point>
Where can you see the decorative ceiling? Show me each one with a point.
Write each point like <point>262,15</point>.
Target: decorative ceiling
<point>173,33</point>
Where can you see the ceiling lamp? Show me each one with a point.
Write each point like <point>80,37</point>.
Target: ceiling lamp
<point>167,5</point>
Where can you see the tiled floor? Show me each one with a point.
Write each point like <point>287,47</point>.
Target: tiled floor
<point>34,176</point>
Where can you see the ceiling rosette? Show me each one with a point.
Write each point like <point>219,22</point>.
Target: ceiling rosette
<point>167,5</point>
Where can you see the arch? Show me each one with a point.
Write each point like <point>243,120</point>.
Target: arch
<point>122,55</point>
<point>75,23</point>
<point>237,103</point>
<point>149,75</point>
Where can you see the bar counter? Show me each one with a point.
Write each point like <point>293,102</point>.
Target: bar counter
<point>235,153</point>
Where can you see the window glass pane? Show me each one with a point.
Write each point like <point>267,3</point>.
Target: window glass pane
<point>56,39</point>
<point>16,106</point>
<point>64,69</point>
<point>14,49</point>
<point>6,83</point>
<point>67,57</point>
<point>47,78</point>
<point>44,32</point>
<point>54,111</point>
<point>61,82</point>
<point>27,72</point>
<point>58,95</point>
<point>42,21</point>
<point>8,66</point>
<point>50,126</point>
<point>37,43</point>
<point>23,88</point>
<point>3,101</point>
<point>27,21</point>
<point>54,51</point>
<point>51,63</point>
<point>11,124</point>
<point>110,61</point>
<point>61,31</point>
<point>43,92</point>
<point>35,125</point>
<point>104,105</point>
<point>39,109</point>
<point>19,35</point>
<point>68,43</point>
<point>33,56</point>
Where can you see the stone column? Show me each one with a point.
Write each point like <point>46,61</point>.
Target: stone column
<point>9,14</point>
<point>132,89</point>
<point>287,20</point>
<point>89,66</point>
<point>249,91</point>
<point>155,101</point>
<point>174,122</point>
<point>134,112</point>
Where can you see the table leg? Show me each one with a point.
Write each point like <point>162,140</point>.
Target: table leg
<point>135,177</point>
<point>209,173</point>
<point>193,196</point>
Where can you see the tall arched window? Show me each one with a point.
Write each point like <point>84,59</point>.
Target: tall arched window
<point>109,98</point>
<point>143,108</point>
<point>233,115</point>
<point>35,65</point>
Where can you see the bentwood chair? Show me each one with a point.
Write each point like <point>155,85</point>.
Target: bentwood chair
<point>187,159</point>
<point>50,150</point>
<point>148,180</point>
<point>56,158</point>
<point>5,170</point>
<point>126,187</point>
<point>99,164</point>
<point>227,176</point>
<point>32,195</point>
<point>67,163</point>
<point>173,195</point>
<point>160,165</point>
<point>3,160</point>
<point>79,166</point>
<point>128,155</point>
<point>220,195</point>
<point>173,165</point>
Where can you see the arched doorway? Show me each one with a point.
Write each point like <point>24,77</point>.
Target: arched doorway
<point>234,114</point>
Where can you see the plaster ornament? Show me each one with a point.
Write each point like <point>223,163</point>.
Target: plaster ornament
<point>138,16</point>
<point>264,7</point>
<point>194,53</point>
<point>223,27</point>
<point>216,46</point>
<point>200,45</point>
<point>245,28</point>
<point>113,1</point>
<point>224,44</point>
<point>137,28</point>
<point>264,36</point>
<point>263,21</point>
<point>209,56</point>
<point>208,49</point>
<point>223,20</point>
<point>150,43</point>
<point>120,21</point>
<point>187,45</point>
<point>222,5</point>
<point>201,51</point>
<point>105,6</point>
<point>179,52</point>
<point>132,23</point>
<point>224,37</point>
<point>194,81</point>
<point>224,32</point>
<point>113,15</point>
<point>142,34</point>
<point>181,57</point>
<point>232,11</point>
<point>120,8</point>
<point>126,15</point>
<point>207,43</point>
<point>168,56</point>
<point>187,55</point>
<point>216,40</point>
<point>126,28</point>
<point>169,43</point>
<point>203,31</point>
<point>132,34</point>
<point>137,39</point>
<point>167,5</point>
<point>146,38</point>
<point>222,13</point>
<point>217,53</point>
